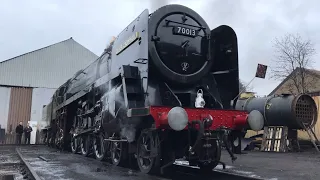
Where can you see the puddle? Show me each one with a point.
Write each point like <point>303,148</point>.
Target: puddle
<point>6,177</point>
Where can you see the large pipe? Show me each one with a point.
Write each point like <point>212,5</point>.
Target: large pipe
<point>282,110</point>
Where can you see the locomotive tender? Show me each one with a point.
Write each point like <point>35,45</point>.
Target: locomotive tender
<point>159,92</point>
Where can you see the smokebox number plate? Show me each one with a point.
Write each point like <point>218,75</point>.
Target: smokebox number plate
<point>178,30</point>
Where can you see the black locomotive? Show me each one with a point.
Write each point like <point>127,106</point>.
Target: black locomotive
<point>160,91</point>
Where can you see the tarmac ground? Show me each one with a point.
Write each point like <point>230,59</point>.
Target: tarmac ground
<point>50,164</point>
<point>280,166</point>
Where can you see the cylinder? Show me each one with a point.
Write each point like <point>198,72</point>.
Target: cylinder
<point>283,110</point>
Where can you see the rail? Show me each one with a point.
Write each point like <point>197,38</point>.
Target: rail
<point>215,174</point>
<point>25,145</point>
<point>236,176</point>
<point>31,174</point>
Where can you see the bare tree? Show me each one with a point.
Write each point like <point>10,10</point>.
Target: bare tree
<point>293,54</point>
<point>243,88</point>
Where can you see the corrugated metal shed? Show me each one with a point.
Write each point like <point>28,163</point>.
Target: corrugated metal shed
<point>48,67</point>
<point>19,110</point>
<point>4,106</point>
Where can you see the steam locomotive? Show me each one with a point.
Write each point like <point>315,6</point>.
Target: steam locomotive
<point>159,92</point>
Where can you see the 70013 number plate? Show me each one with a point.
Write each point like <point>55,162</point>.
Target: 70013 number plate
<point>178,30</point>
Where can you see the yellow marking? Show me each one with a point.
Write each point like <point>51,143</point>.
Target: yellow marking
<point>246,95</point>
<point>127,43</point>
<point>268,106</point>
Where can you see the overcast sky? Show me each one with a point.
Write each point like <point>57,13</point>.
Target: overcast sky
<point>32,24</point>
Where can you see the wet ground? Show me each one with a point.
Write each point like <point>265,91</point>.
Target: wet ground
<point>277,166</point>
<point>52,164</point>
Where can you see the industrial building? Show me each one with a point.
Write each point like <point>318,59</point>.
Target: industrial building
<point>28,81</point>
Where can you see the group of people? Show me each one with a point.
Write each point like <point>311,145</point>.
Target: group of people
<point>20,130</point>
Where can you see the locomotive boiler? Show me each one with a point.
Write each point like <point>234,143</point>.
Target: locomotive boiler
<point>160,91</point>
<point>293,111</point>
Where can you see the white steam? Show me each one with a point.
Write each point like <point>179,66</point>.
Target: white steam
<point>156,4</point>
<point>127,125</point>
<point>129,131</point>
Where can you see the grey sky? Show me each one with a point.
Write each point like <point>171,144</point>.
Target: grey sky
<point>32,24</point>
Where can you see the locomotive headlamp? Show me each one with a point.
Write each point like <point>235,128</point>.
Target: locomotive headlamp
<point>255,120</point>
<point>177,118</point>
<point>199,100</point>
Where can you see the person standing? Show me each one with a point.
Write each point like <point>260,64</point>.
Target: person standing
<point>27,132</point>
<point>19,131</point>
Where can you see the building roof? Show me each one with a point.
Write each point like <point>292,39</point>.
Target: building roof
<point>48,67</point>
<point>312,72</point>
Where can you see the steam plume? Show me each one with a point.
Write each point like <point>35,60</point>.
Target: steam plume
<point>127,126</point>
<point>156,4</point>
<point>129,131</point>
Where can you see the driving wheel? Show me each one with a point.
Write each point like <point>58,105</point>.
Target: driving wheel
<point>85,145</point>
<point>148,152</point>
<point>118,153</point>
<point>74,145</point>
<point>99,147</point>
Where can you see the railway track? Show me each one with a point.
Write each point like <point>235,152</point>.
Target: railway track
<point>21,145</point>
<point>27,171</point>
<point>194,173</point>
<point>47,163</point>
